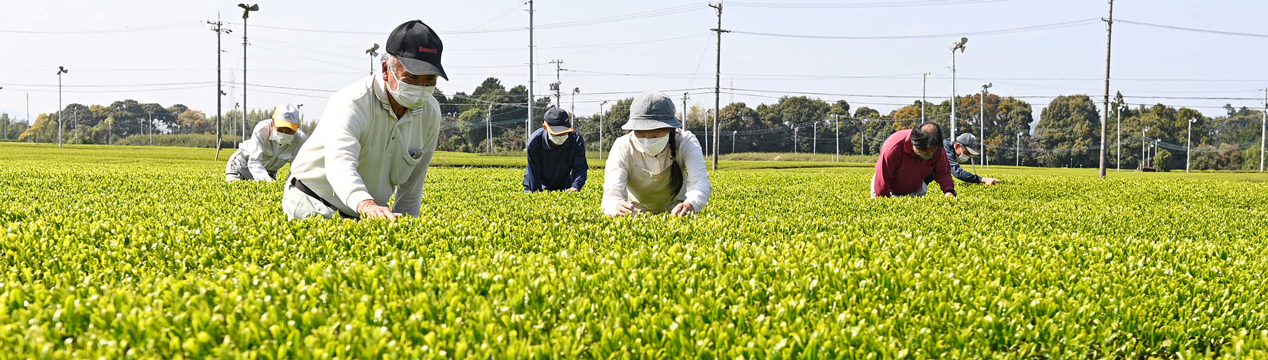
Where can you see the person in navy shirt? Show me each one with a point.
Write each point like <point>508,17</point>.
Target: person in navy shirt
<point>556,155</point>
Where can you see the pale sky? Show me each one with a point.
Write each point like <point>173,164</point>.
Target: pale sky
<point>163,51</point>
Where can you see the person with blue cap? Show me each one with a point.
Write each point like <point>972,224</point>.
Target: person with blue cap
<point>656,167</point>
<point>556,155</point>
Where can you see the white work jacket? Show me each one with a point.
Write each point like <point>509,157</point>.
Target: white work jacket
<point>260,156</point>
<point>361,151</point>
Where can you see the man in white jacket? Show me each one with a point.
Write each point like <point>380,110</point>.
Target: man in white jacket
<point>375,139</point>
<point>272,145</point>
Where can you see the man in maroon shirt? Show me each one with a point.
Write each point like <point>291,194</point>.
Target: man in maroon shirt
<point>909,156</point>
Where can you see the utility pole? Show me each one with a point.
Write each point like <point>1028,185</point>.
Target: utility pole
<point>1109,37</point>
<point>60,71</point>
<point>219,28</point>
<point>246,13</point>
<point>982,118</point>
<point>814,139</point>
<point>528,123</point>
<point>733,132</point>
<point>684,110</point>
<point>373,51</point>
<point>1263,131</point>
<point>717,89</point>
<point>924,86</point>
<point>605,102</point>
<point>1188,145</point>
<point>151,127</point>
<point>958,45</point>
<point>558,69</point>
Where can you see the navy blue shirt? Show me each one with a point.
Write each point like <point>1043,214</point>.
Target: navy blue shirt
<point>553,167</point>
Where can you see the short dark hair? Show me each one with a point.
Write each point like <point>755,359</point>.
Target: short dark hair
<point>926,136</point>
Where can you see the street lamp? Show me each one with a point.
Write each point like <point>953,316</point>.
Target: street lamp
<point>982,117</point>
<point>246,13</point>
<point>605,102</point>
<point>60,71</point>
<point>1143,152</point>
<point>958,45</point>
<point>1188,145</point>
<point>572,112</point>
<point>1119,163</point>
<point>373,51</point>
<point>1018,149</point>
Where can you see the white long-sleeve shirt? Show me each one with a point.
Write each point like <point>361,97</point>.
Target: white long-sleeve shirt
<point>260,156</point>
<point>624,158</point>
<point>362,151</point>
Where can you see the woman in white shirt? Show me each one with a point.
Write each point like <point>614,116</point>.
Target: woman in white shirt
<point>656,167</point>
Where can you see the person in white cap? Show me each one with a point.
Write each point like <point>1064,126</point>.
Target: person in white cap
<point>272,144</point>
<point>657,167</point>
<point>376,138</point>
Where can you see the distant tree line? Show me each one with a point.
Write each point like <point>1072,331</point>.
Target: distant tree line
<point>493,117</point>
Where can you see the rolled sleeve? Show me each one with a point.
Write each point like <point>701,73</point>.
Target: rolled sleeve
<point>615,177</point>
<point>579,165</point>
<point>699,189</point>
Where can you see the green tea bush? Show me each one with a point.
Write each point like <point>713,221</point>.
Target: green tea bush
<point>162,259</point>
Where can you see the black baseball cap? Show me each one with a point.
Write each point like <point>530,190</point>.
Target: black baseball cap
<point>418,48</point>
<point>558,122</point>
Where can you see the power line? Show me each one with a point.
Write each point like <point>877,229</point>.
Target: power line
<point>1215,32</point>
<point>106,31</point>
<point>861,5</point>
<point>1067,24</point>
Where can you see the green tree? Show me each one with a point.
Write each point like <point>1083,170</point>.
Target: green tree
<point>1067,131</point>
<point>1162,161</point>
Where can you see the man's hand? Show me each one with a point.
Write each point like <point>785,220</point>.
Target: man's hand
<point>371,210</point>
<point>624,208</point>
<point>572,190</point>
<point>990,181</point>
<point>948,194</point>
<point>683,209</point>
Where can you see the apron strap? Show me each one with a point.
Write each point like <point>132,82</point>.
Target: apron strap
<point>675,171</point>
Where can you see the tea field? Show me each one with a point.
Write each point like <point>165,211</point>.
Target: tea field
<point>146,253</point>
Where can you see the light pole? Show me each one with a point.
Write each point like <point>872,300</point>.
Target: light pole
<point>958,45</point>
<point>924,86</point>
<point>733,132</point>
<point>60,71</point>
<point>1018,149</point>
<point>572,113</point>
<point>150,126</point>
<point>1188,145</point>
<point>246,13</point>
<point>372,51</point>
<point>1119,153</point>
<point>794,139</point>
<point>1143,152</point>
<point>605,102</point>
<point>836,125</point>
<point>982,117</point>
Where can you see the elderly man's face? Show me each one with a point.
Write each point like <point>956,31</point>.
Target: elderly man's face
<point>404,76</point>
<point>926,153</point>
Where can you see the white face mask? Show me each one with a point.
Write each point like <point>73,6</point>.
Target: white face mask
<point>409,95</point>
<point>558,139</point>
<point>964,158</point>
<point>282,138</point>
<point>651,146</point>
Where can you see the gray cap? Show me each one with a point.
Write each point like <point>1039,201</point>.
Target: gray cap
<point>969,142</point>
<point>650,111</point>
